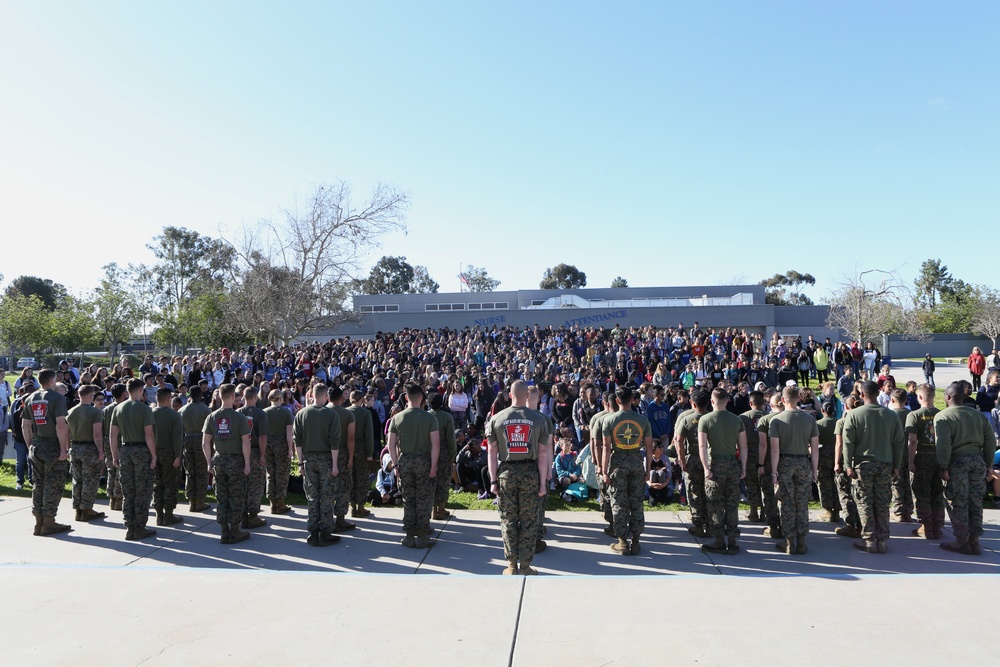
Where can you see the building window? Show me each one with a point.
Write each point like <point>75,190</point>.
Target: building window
<point>366,309</point>
<point>488,305</point>
<point>475,306</point>
<point>444,306</point>
<point>430,306</point>
<point>458,306</point>
<point>538,302</point>
<point>500,305</point>
<point>392,309</point>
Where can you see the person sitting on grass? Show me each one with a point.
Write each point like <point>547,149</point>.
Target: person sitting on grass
<point>659,482</point>
<point>568,470</point>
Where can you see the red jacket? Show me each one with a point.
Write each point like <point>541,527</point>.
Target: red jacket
<point>977,364</point>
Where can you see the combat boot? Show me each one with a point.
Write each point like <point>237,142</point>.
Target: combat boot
<point>698,531</point>
<point>867,547</point>
<point>443,513</point>
<point>882,546</point>
<point>788,546</point>
<point>38,525</point>
<point>224,539</point>
<point>50,527</point>
<point>115,505</point>
<point>141,532</point>
<point>511,567</point>
<point>846,531</point>
<point>129,532</point>
<point>718,546</point>
<point>634,548</point>
<point>77,517</point>
<point>253,521</point>
<point>825,515</point>
<point>90,515</point>
<point>800,546</point>
<point>159,517</point>
<point>732,548</point>
<point>540,546</point>
<point>937,520</point>
<point>170,519</point>
<point>906,517</point>
<point>958,547</point>
<point>526,570</point>
<point>409,541</point>
<point>363,512</point>
<point>199,505</point>
<point>774,532</point>
<point>343,525</point>
<point>754,515</point>
<point>974,546</point>
<point>280,507</point>
<point>235,534</point>
<point>326,539</point>
<point>610,531</point>
<point>621,547</point>
<point>423,542</point>
<point>835,517</point>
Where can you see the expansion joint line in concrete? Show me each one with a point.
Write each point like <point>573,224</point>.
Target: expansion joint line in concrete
<point>517,622</point>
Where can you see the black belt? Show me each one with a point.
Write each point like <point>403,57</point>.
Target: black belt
<point>520,462</point>
<point>83,442</point>
<point>192,435</point>
<point>133,444</point>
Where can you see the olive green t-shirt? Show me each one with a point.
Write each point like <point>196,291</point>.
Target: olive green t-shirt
<point>413,427</point>
<point>872,433</point>
<point>750,420</point>
<point>316,430</point>
<point>257,419</point>
<point>626,431</point>
<point>827,433</point>
<point>687,428</point>
<point>446,433</point>
<point>279,418</point>
<point>364,432</point>
<point>793,429</point>
<point>109,411</point>
<point>81,420</point>
<point>595,424</point>
<point>763,426</point>
<point>902,413</point>
<point>961,430</point>
<point>227,428</point>
<point>723,429</point>
<point>132,418</point>
<point>346,419</point>
<point>168,432</point>
<point>193,416</point>
<point>518,433</point>
<point>920,423</point>
<point>43,408</point>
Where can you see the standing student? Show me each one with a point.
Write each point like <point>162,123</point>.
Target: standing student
<point>136,458</point>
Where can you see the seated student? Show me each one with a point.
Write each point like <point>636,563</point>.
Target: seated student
<point>386,491</point>
<point>659,483</point>
<point>568,470</point>
<point>471,462</point>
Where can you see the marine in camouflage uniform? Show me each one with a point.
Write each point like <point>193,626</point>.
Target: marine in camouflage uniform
<point>965,445</point>
<point>845,490</point>
<point>515,438</point>
<point>829,496</point>
<point>316,433</point>
<point>722,442</point>
<point>193,416</point>
<point>113,480</point>
<point>228,432</point>
<point>769,512</point>
<point>794,438</point>
<point>752,479</point>
<point>449,448</point>
<point>345,462</point>
<point>168,431</point>
<point>902,495</point>
<point>596,449</point>
<point>624,433</point>
<point>47,436</point>
<point>414,447</point>
<point>257,481</point>
<point>686,441</point>
<point>364,444</point>
<point>133,420</point>
<point>278,454</point>
<point>873,452</point>
<point>925,473</point>
<point>87,460</point>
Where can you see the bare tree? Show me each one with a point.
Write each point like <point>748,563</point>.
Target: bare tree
<point>292,277</point>
<point>986,321</point>
<point>871,303</point>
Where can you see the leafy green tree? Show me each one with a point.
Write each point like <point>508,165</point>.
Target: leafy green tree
<point>783,289</point>
<point>476,279</point>
<point>24,323</point>
<point>563,276</point>
<point>394,275</point>
<point>619,282</point>
<point>117,311</point>
<point>72,327</point>
<point>46,290</point>
<point>933,281</point>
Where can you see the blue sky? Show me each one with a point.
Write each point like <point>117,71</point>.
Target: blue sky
<point>667,142</point>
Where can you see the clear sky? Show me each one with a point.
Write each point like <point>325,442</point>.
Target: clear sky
<point>667,142</point>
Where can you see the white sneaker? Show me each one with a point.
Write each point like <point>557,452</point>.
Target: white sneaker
<point>19,487</point>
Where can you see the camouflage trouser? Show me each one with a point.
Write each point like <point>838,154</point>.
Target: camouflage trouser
<point>927,488</point>
<point>794,489</point>
<point>256,482</point>
<point>417,488</point>
<point>443,478</point>
<point>902,496</point>
<point>166,482</point>
<point>86,470</point>
<point>278,466</point>
<point>964,493</point>
<point>517,498</point>
<point>196,468</point>
<point>542,501</point>
<point>627,488</point>
<point>321,490</point>
<point>767,490</point>
<point>345,483</point>
<point>722,494</point>
<point>604,500</point>
<point>752,480</point>
<point>361,483</point>
<point>137,484</point>
<point>845,489</point>
<point>50,477</point>
<point>694,485</point>
<point>230,488</point>
<point>873,491</point>
<point>114,478</point>
<point>828,496</point>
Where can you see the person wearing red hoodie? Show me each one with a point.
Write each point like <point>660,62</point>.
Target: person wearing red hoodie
<point>977,366</point>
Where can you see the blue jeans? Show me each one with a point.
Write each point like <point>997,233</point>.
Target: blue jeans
<point>23,464</point>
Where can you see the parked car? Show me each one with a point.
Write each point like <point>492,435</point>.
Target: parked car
<point>27,362</point>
